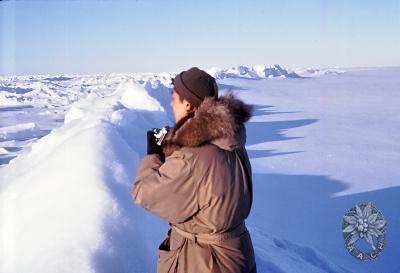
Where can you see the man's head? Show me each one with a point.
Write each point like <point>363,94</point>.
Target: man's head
<point>191,87</point>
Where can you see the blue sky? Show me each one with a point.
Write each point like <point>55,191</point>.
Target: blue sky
<point>85,37</point>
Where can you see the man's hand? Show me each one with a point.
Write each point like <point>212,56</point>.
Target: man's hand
<point>152,147</point>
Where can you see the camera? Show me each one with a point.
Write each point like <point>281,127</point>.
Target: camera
<point>160,134</point>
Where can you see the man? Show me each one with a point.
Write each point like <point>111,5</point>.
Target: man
<point>204,187</point>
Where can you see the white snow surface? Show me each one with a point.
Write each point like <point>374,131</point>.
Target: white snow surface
<point>320,142</point>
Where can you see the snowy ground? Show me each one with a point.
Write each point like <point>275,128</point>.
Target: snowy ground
<point>320,142</point>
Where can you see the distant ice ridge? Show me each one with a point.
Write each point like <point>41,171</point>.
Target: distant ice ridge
<point>274,71</point>
<point>61,90</point>
<point>312,72</point>
<point>255,72</point>
<point>56,90</point>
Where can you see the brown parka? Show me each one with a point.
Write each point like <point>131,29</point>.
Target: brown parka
<point>203,189</point>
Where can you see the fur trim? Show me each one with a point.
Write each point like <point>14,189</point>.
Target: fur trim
<point>214,119</point>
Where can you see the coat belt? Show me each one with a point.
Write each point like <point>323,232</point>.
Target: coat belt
<point>212,238</point>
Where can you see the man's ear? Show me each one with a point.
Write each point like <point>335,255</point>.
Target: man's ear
<point>189,108</point>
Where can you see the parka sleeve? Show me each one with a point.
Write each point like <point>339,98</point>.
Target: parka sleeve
<point>168,189</point>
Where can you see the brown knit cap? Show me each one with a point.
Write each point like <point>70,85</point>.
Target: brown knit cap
<point>194,85</point>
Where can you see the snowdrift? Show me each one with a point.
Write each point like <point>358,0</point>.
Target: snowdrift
<point>66,204</point>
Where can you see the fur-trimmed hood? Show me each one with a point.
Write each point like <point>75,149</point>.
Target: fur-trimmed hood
<point>219,122</point>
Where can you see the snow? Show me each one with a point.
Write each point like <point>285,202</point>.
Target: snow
<point>135,97</point>
<point>320,142</point>
<point>55,207</point>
